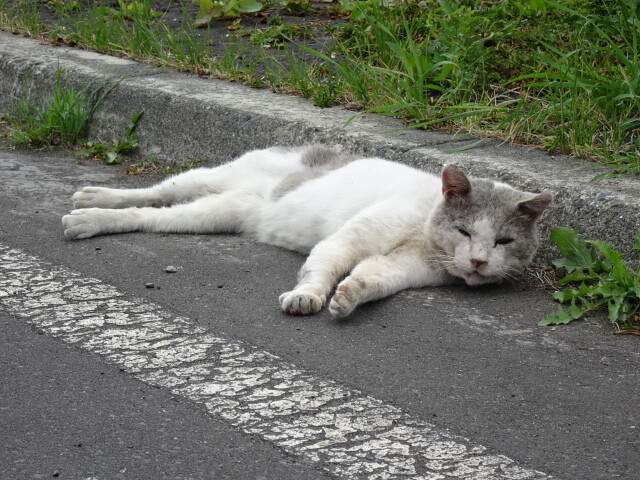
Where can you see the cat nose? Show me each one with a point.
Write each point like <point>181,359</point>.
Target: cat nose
<point>478,263</point>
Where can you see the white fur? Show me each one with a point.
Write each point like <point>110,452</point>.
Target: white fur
<point>365,223</point>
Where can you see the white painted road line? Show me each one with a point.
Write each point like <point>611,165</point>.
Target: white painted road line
<point>349,434</point>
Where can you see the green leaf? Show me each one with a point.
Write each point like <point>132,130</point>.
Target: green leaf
<point>571,293</point>
<point>614,308</point>
<point>575,250</point>
<point>133,123</point>
<point>576,276</point>
<point>92,149</point>
<point>619,272</point>
<point>112,158</point>
<point>636,284</point>
<point>560,317</point>
<point>208,10</point>
<point>607,252</point>
<point>249,6</point>
<point>636,246</point>
<point>608,289</point>
<point>469,146</point>
<point>579,306</point>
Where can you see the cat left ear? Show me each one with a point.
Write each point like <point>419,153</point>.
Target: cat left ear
<point>455,183</point>
<point>534,207</point>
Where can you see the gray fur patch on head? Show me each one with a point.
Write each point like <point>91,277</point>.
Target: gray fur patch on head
<point>498,204</point>
<point>317,160</point>
<point>488,218</point>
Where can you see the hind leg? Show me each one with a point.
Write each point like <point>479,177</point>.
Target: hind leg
<point>257,171</point>
<point>180,188</point>
<point>224,213</point>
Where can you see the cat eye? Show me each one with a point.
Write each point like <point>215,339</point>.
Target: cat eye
<point>504,241</point>
<point>464,232</point>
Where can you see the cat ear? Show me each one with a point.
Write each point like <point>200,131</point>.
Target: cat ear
<point>455,183</point>
<point>534,207</point>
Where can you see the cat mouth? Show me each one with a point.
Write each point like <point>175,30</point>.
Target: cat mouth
<point>477,278</point>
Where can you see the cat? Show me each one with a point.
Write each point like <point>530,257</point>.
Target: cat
<point>370,226</point>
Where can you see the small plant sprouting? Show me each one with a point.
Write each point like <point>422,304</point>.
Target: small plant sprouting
<point>597,277</point>
<point>297,7</point>
<point>137,9</point>
<point>277,35</point>
<point>62,7</point>
<point>113,155</point>
<point>210,9</point>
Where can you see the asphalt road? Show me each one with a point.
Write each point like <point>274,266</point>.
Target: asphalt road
<point>470,367</point>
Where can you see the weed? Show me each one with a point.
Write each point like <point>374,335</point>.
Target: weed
<point>152,165</point>
<point>297,7</point>
<point>325,93</point>
<point>600,278</point>
<point>64,120</point>
<point>113,155</point>
<point>62,7</point>
<point>210,9</point>
<point>137,9</point>
<point>277,35</point>
<point>25,19</point>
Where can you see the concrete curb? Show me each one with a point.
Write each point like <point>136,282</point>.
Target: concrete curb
<point>190,117</point>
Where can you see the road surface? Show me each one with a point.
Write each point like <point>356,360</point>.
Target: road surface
<point>203,377</point>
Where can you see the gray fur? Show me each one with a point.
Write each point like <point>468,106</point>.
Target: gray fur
<point>488,200</point>
<point>326,158</point>
<point>318,160</point>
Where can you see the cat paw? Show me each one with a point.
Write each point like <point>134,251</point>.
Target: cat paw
<point>95,197</point>
<point>344,301</point>
<point>301,303</point>
<point>80,224</point>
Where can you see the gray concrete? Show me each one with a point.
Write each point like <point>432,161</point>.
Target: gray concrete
<point>190,117</point>
<point>468,361</point>
<point>65,414</point>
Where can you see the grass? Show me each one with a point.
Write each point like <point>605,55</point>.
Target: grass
<point>560,75</point>
<point>64,119</point>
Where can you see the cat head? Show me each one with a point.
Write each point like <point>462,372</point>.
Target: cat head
<point>485,230</point>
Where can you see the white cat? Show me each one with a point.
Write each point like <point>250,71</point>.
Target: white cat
<point>374,226</point>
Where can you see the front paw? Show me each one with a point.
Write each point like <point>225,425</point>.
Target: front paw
<point>80,224</point>
<point>301,303</point>
<point>95,197</point>
<point>344,301</point>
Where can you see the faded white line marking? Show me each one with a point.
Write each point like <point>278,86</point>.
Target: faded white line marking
<point>349,434</point>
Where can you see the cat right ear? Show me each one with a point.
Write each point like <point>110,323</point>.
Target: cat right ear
<point>455,183</point>
<point>534,207</point>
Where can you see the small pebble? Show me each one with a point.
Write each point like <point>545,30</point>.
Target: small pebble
<point>149,285</point>
<point>171,269</point>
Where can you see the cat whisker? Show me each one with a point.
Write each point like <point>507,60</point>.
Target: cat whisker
<point>510,274</point>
